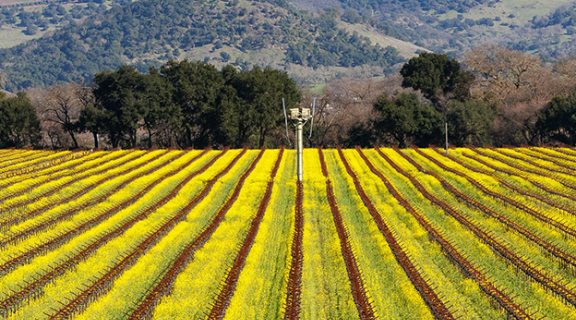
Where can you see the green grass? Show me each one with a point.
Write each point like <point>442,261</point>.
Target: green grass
<point>10,2</point>
<point>13,36</point>
<point>405,49</point>
<point>523,10</point>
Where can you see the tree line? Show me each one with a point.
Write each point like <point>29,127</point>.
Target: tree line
<point>183,104</point>
<point>494,96</point>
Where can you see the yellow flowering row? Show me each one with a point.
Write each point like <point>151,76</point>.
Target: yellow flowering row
<point>37,160</point>
<point>109,204</point>
<point>130,287</point>
<point>198,285</point>
<point>261,289</point>
<point>513,280</point>
<point>462,293</point>
<point>522,182</point>
<point>42,159</point>
<point>563,160</point>
<point>520,217</point>
<point>517,176</point>
<point>108,255</point>
<point>55,193</point>
<point>46,183</point>
<point>545,163</point>
<point>569,151</point>
<point>15,157</point>
<point>45,168</point>
<point>326,292</point>
<point>381,271</point>
<point>104,183</point>
<point>260,292</point>
<point>8,153</point>
<point>493,181</point>
<point>542,168</point>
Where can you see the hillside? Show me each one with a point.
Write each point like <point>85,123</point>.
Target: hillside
<point>405,49</point>
<point>545,28</point>
<point>241,33</point>
<point>71,41</point>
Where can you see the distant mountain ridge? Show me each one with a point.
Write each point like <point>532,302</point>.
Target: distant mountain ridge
<point>147,33</point>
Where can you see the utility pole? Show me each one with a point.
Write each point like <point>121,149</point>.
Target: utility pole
<point>299,116</point>
<point>446,128</point>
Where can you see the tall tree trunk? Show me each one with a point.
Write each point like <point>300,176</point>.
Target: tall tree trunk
<point>73,139</point>
<point>133,138</point>
<point>262,137</point>
<point>189,137</point>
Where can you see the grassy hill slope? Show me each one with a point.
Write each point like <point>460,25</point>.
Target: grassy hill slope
<point>147,33</point>
<point>541,27</point>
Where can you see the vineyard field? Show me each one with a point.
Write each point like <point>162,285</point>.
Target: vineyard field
<point>381,233</point>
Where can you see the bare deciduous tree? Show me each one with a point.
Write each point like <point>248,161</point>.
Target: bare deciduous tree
<point>58,108</point>
<point>345,110</point>
<point>521,86</point>
<point>565,69</point>
<point>63,107</point>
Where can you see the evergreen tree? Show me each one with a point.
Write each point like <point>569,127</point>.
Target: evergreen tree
<point>558,121</point>
<point>407,120</point>
<point>438,77</point>
<point>19,125</point>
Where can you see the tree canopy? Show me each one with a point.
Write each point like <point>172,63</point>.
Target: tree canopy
<point>558,121</point>
<point>190,104</point>
<point>470,122</point>
<point>407,120</point>
<point>438,77</point>
<point>19,125</point>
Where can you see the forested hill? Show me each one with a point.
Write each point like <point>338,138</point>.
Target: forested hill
<point>150,32</point>
<point>544,28</point>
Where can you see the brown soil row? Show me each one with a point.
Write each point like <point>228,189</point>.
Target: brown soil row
<point>164,283</point>
<point>536,273</point>
<point>12,299</point>
<point>497,293</point>
<point>365,310</point>
<point>293,289</point>
<point>223,300</point>
<point>438,307</point>
<point>62,200</point>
